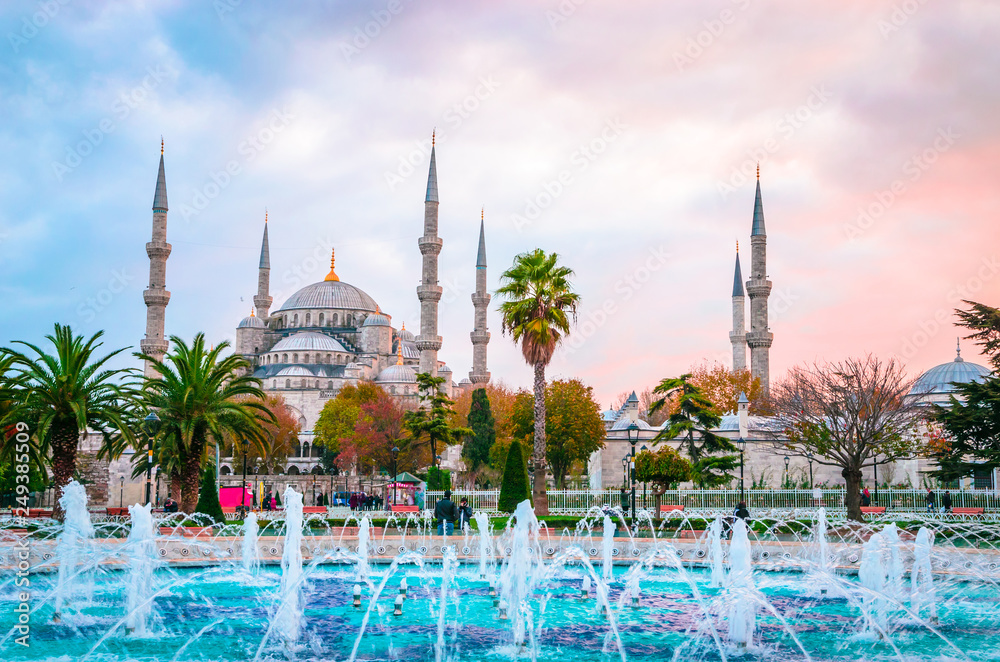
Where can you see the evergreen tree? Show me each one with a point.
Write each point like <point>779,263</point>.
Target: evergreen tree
<point>477,447</point>
<point>515,487</point>
<point>438,479</point>
<point>208,497</point>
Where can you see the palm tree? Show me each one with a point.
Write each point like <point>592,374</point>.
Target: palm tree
<point>62,395</point>
<point>539,298</point>
<point>695,413</point>
<point>200,397</point>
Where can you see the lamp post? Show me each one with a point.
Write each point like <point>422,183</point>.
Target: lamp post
<point>624,495</point>
<point>395,455</point>
<point>809,458</point>
<point>787,460</point>
<point>151,426</point>
<point>875,478</point>
<point>314,490</point>
<point>243,502</point>
<point>644,483</point>
<point>121,494</point>
<point>633,437</point>
<point>741,444</point>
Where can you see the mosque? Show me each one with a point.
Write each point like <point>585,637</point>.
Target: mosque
<point>331,333</point>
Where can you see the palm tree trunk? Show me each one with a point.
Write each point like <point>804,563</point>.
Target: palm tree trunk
<point>175,487</point>
<point>539,495</point>
<point>65,439</point>
<point>191,477</point>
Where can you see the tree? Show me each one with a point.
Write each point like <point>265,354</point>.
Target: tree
<point>965,434</point>
<point>514,487</point>
<point>694,413</point>
<point>340,415</point>
<point>476,450</point>
<point>538,302</point>
<point>359,428</point>
<point>208,498</point>
<point>201,396</point>
<point>63,394</point>
<point>722,387</point>
<point>573,425</point>
<point>846,414</point>
<point>438,479</point>
<point>664,467</point>
<point>432,417</point>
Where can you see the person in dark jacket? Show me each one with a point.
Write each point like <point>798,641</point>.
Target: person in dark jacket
<point>464,514</point>
<point>930,500</point>
<point>946,501</point>
<point>444,513</point>
<point>741,511</point>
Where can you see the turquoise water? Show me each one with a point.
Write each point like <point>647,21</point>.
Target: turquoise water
<point>221,614</point>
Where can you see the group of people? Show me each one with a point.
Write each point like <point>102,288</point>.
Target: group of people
<point>447,514</point>
<point>362,501</point>
<point>930,500</point>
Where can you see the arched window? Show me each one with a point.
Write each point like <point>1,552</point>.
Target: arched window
<point>321,319</point>
<point>284,358</point>
<point>329,385</point>
<point>288,383</point>
<point>329,358</point>
<point>308,318</point>
<point>305,449</point>
<point>293,471</point>
<point>392,390</point>
<point>302,422</point>
<point>348,320</point>
<point>224,470</point>
<point>341,358</point>
<point>295,319</point>
<point>335,319</point>
<point>305,358</point>
<point>274,383</point>
<point>295,357</point>
<point>406,390</point>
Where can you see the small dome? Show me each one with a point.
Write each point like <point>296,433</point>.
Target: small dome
<point>352,366</point>
<point>942,378</point>
<point>295,371</point>
<point>405,335</point>
<point>444,369</point>
<point>251,322</point>
<point>397,374</point>
<point>378,319</point>
<point>465,380</point>
<point>609,416</point>
<point>308,341</point>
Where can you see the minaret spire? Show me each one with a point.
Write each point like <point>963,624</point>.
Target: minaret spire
<point>429,292</point>
<point>480,303</point>
<point>738,335</point>
<point>263,297</point>
<point>156,295</point>
<point>759,288</point>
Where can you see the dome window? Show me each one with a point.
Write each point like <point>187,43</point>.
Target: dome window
<point>321,319</point>
<point>308,319</point>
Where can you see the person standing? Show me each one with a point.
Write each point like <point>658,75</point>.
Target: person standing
<point>930,499</point>
<point>946,501</point>
<point>741,511</point>
<point>444,514</point>
<point>464,514</point>
<point>866,498</point>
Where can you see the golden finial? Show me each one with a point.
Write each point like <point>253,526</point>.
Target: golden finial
<point>265,215</point>
<point>252,313</point>
<point>737,245</point>
<point>758,171</point>
<point>404,327</point>
<point>433,136</point>
<point>332,275</point>
<point>161,145</point>
<point>399,352</point>
<point>482,214</point>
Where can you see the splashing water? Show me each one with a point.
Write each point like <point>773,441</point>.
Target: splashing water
<point>483,524</point>
<point>715,549</point>
<point>517,573</point>
<point>364,532</point>
<point>872,575</point>
<point>250,554</point>
<point>77,532</point>
<point>890,536</point>
<point>607,545</point>
<point>922,577</point>
<point>141,559</point>
<point>742,614</point>
<point>288,619</point>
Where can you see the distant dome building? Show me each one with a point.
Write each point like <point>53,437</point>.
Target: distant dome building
<point>937,385</point>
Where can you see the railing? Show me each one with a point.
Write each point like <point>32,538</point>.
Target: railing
<point>580,501</point>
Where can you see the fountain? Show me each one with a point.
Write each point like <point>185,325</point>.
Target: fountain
<point>607,547</point>
<point>922,577</point>
<point>890,536</point>
<point>76,534</point>
<point>483,526</point>
<point>715,552</point>
<point>873,575</point>
<point>141,548</point>
<point>742,613</point>
<point>288,619</point>
<point>250,553</point>
<point>364,531</point>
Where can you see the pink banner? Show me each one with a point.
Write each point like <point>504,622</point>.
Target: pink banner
<point>231,497</point>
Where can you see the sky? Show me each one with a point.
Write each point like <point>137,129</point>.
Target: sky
<point>623,136</point>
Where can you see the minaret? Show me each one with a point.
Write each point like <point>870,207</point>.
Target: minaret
<point>429,292</point>
<point>759,288</point>
<point>480,302</point>
<point>156,295</point>
<point>738,335</point>
<point>262,300</point>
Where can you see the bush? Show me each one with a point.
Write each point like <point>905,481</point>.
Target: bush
<point>438,479</point>
<point>515,487</point>
<point>208,498</point>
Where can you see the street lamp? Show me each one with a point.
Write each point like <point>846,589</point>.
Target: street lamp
<point>151,426</point>
<point>395,455</point>
<point>633,437</point>
<point>875,477</point>
<point>644,483</point>
<point>809,457</point>
<point>121,494</point>
<point>624,495</point>
<point>741,445</point>
<point>787,459</point>
<point>243,502</point>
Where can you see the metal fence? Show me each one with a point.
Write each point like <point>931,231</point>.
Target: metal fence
<point>580,501</point>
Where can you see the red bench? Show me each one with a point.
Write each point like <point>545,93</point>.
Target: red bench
<point>976,512</point>
<point>306,510</point>
<point>671,508</point>
<point>404,509</point>
<point>118,512</point>
<point>38,512</point>
<point>873,510</point>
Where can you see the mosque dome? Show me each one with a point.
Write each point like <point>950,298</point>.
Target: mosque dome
<point>397,374</point>
<point>310,341</point>
<point>445,369</point>
<point>294,371</point>
<point>378,319</point>
<point>405,335</point>
<point>330,293</point>
<point>465,381</point>
<point>251,322</point>
<point>941,379</point>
